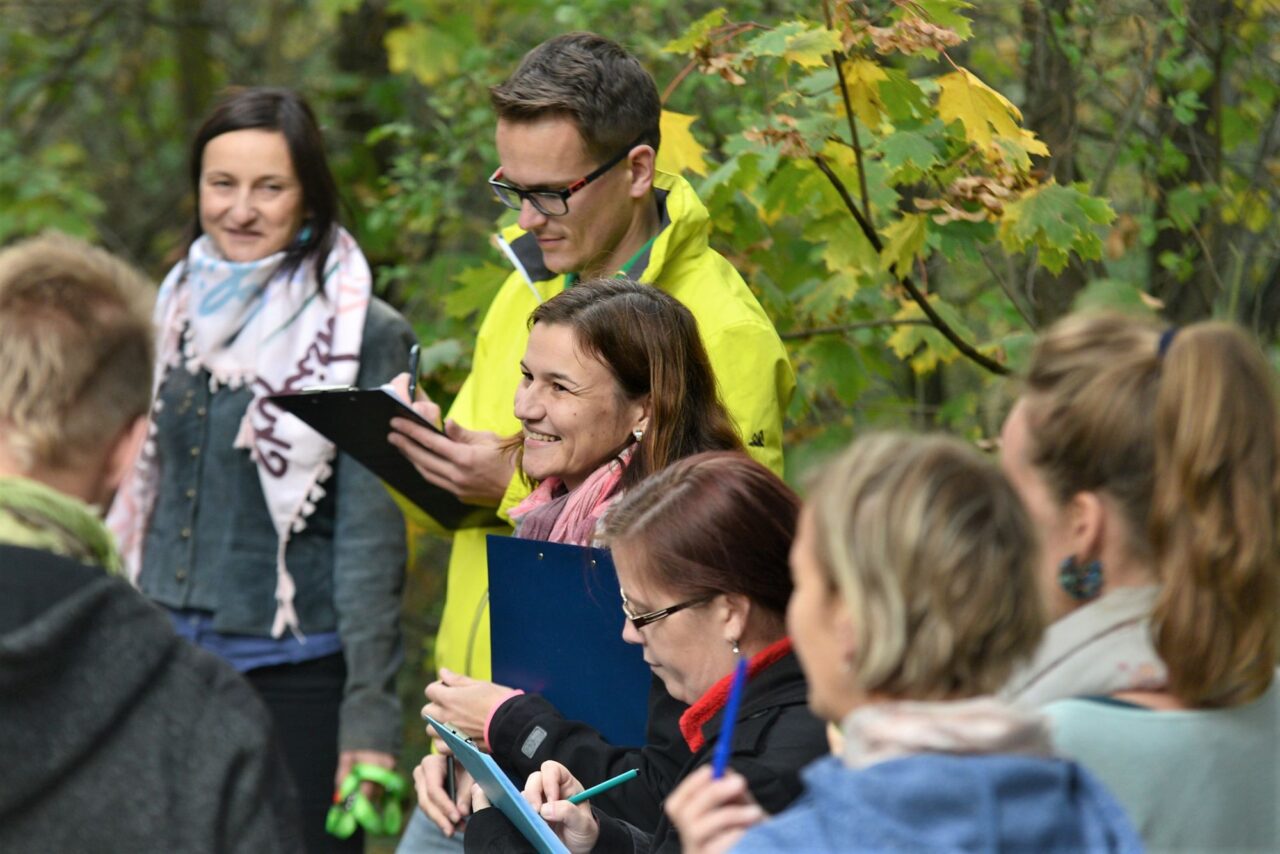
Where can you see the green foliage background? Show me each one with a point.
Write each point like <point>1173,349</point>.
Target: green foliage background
<point>1155,192</point>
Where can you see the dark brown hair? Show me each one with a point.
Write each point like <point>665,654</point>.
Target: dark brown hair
<point>591,80</point>
<point>263,108</point>
<point>712,523</point>
<point>649,341</point>
<point>1189,445</point>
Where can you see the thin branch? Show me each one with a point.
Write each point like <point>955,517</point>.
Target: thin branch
<point>941,325</point>
<point>801,334</point>
<point>837,59</point>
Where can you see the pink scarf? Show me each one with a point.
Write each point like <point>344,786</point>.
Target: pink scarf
<point>572,518</point>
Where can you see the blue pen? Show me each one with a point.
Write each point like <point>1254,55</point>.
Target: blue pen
<point>721,760</point>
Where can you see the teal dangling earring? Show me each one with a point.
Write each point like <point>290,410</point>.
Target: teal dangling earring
<point>304,234</point>
<point>1081,583</point>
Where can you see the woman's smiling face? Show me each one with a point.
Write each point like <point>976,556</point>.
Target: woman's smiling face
<point>574,413</point>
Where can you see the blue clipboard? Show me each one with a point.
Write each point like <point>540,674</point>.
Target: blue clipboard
<point>499,789</point>
<point>555,620</point>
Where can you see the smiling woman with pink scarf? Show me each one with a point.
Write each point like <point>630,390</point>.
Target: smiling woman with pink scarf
<point>616,386</point>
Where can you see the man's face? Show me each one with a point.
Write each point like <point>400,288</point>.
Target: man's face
<point>549,154</point>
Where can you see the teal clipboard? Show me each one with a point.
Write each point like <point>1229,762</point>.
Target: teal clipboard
<point>499,789</point>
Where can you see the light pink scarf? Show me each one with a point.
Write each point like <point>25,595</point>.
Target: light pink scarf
<point>575,522</point>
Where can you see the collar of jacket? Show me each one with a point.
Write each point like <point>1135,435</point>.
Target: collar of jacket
<point>695,723</point>
<point>683,229</point>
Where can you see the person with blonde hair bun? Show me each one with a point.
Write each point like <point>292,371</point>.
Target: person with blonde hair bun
<point>1149,462</point>
<point>914,600</point>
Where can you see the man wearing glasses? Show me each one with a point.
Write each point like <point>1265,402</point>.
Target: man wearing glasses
<point>577,136</point>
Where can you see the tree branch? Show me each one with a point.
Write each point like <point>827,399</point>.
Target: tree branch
<point>941,325</point>
<point>837,58</point>
<point>801,334</point>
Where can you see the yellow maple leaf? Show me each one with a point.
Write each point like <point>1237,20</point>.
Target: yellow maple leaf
<point>679,149</point>
<point>979,108</point>
<point>863,79</point>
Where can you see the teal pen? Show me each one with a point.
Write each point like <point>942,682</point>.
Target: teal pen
<point>604,787</point>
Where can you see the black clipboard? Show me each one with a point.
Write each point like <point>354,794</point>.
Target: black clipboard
<point>358,422</point>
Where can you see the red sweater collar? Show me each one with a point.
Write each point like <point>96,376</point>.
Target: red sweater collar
<point>706,708</point>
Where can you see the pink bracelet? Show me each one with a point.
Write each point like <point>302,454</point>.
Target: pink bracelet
<point>493,711</point>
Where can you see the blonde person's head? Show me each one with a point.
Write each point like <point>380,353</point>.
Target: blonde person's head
<point>1181,431</point>
<point>932,553</point>
<point>75,350</point>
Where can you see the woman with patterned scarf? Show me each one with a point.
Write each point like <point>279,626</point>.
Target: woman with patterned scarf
<point>617,386</point>
<point>264,546</point>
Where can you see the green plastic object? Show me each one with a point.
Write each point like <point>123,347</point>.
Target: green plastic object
<point>352,808</point>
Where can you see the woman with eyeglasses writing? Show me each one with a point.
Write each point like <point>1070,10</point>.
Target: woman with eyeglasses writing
<point>701,552</point>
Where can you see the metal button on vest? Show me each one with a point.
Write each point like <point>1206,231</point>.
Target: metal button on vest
<point>186,533</point>
<point>181,575</point>
<point>195,452</point>
<point>191,493</point>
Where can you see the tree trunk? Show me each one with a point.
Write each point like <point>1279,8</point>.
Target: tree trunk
<point>1050,111</point>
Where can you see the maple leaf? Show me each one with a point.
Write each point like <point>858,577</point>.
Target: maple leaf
<point>863,78</point>
<point>1057,220</point>
<point>679,149</point>
<point>698,32</point>
<point>804,44</point>
<point>903,242</point>
<point>978,107</point>
<point>908,155</point>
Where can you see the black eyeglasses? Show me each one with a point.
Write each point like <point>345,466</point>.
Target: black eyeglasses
<point>642,620</point>
<point>551,202</point>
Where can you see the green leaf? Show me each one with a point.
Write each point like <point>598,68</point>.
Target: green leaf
<point>800,42</point>
<point>696,35</point>
<point>863,78</point>
<point>904,242</point>
<point>1057,220</point>
<point>908,155</point>
<point>948,13</point>
<point>902,97</point>
<point>477,288</point>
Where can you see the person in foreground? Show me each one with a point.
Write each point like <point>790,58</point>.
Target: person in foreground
<point>615,386</point>
<point>238,518</point>
<point>700,549</point>
<point>116,734</point>
<point>1153,458</point>
<point>914,598</point>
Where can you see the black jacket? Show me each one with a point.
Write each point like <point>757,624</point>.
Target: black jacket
<point>775,736</point>
<point>116,734</point>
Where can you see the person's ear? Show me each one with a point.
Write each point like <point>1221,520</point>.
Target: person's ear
<point>735,610</point>
<point>123,452</point>
<point>642,415</point>
<point>1086,517</point>
<point>641,165</point>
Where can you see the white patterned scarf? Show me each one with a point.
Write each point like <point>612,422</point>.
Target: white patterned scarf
<point>246,325</point>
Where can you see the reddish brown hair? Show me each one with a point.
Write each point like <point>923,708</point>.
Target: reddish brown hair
<point>712,523</point>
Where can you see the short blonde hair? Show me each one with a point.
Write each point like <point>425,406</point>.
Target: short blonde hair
<point>934,557</point>
<point>75,348</point>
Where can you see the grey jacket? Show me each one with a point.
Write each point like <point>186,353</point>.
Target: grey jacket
<point>211,545</point>
<point>116,734</point>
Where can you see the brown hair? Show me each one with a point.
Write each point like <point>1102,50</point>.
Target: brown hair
<point>649,341</point>
<point>75,346</point>
<point>1188,444</point>
<point>283,110</point>
<point>933,554</point>
<point>591,80</point>
<point>712,523</point>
